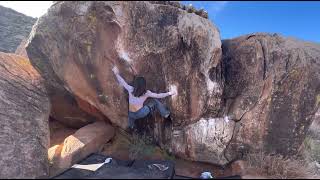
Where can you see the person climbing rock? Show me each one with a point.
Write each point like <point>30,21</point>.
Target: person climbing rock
<point>137,96</point>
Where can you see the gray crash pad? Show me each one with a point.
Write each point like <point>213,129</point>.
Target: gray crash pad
<point>118,169</point>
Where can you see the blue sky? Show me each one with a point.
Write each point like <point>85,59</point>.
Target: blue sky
<point>298,19</point>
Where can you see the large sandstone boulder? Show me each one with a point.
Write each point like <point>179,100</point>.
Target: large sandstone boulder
<point>272,90</point>
<point>271,94</point>
<point>14,27</point>
<point>76,44</point>
<point>24,114</point>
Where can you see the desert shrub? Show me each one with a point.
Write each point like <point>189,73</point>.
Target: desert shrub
<point>140,146</point>
<point>312,149</point>
<point>202,13</point>
<point>191,9</point>
<point>278,167</point>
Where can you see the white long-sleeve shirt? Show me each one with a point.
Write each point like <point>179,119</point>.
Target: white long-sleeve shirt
<point>138,101</point>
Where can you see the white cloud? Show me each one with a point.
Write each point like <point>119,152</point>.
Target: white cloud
<point>29,8</point>
<point>214,8</point>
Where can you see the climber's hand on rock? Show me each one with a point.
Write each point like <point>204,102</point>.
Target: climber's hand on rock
<point>115,70</point>
<point>172,92</point>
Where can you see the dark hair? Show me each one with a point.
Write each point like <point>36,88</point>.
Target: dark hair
<point>139,86</point>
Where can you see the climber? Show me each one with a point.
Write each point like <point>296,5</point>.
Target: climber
<point>137,95</point>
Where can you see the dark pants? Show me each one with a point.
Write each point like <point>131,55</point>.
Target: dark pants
<point>150,107</point>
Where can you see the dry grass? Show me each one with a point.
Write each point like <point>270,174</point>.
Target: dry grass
<point>304,165</point>
<point>141,146</point>
<point>126,146</point>
<point>279,167</point>
<point>311,149</point>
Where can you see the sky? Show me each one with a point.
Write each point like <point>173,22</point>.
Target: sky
<point>29,8</point>
<point>300,19</point>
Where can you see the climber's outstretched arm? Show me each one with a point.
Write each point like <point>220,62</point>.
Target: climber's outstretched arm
<point>160,95</point>
<point>121,81</point>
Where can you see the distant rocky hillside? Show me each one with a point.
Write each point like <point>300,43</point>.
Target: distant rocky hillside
<point>14,27</point>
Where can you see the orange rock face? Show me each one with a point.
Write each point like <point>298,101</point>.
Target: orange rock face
<point>24,114</point>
